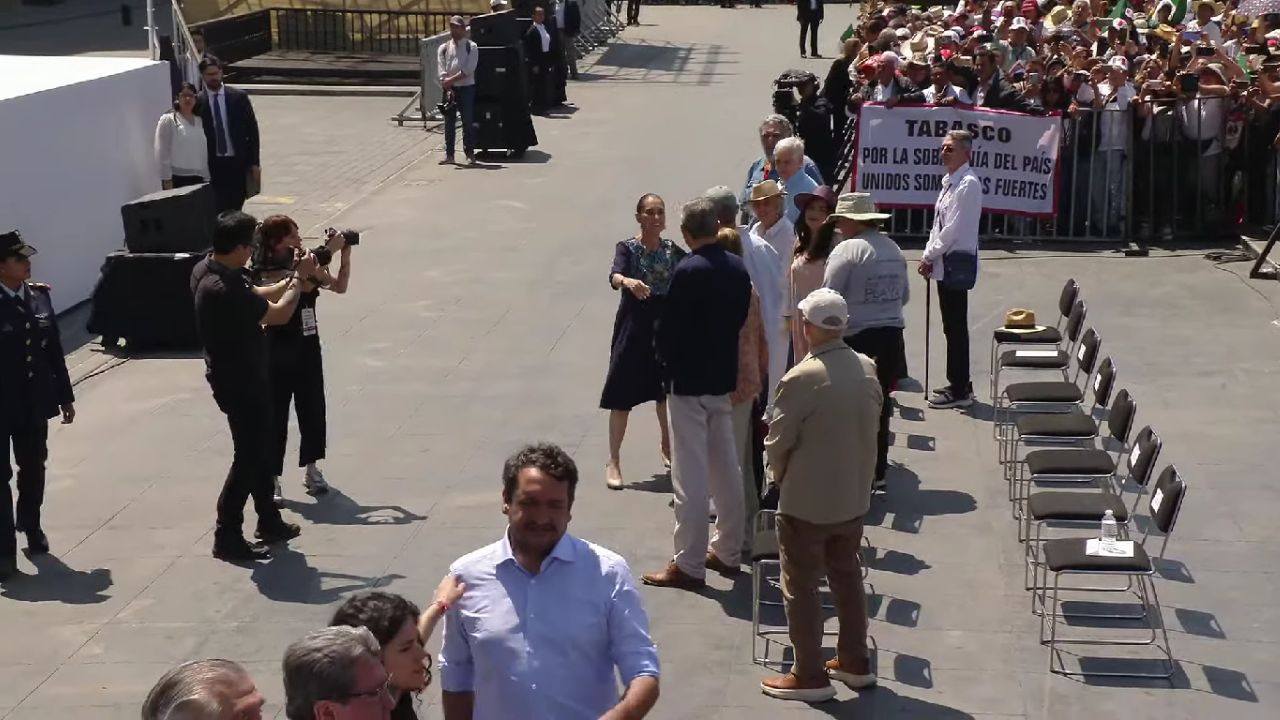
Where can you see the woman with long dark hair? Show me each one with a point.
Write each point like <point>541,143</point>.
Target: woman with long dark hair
<point>641,271</point>
<point>182,152</point>
<point>296,366</point>
<point>403,632</point>
<point>815,237</point>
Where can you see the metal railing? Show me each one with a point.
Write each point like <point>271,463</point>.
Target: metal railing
<point>357,31</point>
<point>1187,170</point>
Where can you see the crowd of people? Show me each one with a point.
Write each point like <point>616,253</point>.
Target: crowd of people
<point>1159,101</point>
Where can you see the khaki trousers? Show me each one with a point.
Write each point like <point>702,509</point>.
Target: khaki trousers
<point>704,465</point>
<point>807,552</point>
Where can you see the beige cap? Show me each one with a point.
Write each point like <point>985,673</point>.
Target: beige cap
<point>825,308</point>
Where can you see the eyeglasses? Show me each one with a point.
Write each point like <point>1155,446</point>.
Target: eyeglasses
<point>947,148</point>
<point>378,693</point>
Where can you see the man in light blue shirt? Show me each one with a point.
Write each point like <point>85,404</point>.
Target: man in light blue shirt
<point>546,617</point>
<point>773,129</point>
<point>789,158</point>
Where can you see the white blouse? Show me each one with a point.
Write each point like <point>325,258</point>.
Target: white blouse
<point>181,147</point>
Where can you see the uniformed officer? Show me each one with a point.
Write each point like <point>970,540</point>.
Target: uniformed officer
<point>34,386</point>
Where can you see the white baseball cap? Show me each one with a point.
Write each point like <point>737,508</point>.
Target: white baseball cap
<point>1018,23</point>
<point>826,309</point>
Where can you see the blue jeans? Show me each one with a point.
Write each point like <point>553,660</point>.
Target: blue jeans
<point>464,100</point>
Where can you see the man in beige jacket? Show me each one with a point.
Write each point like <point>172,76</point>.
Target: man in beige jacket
<point>822,450</point>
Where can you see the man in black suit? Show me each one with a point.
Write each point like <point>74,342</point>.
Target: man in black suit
<point>809,15</point>
<point>232,132</point>
<point>538,55</point>
<point>991,89</point>
<point>34,386</point>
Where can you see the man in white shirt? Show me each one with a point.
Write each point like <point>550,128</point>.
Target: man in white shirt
<point>1204,22</point>
<point>955,230</point>
<point>540,60</point>
<point>1111,99</point>
<point>774,230</point>
<point>788,157</point>
<point>457,59</point>
<point>943,88</point>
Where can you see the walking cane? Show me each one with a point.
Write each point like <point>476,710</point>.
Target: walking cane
<point>928,317</point>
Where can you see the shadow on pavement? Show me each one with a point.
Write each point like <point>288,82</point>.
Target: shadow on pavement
<point>337,508</point>
<point>287,577</point>
<point>657,483</point>
<point>55,581</point>
<point>909,504</point>
<point>884,702</point>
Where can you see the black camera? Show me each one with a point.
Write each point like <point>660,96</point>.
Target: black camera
<point>446,107</point>
<point>350,237</point>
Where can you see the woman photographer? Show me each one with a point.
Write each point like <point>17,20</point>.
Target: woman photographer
<point>297,372</point>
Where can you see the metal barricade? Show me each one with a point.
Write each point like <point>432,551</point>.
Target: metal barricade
<point>1154,172</point>
<point>430,93</point>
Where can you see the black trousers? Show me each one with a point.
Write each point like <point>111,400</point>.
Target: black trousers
<point>954,306</point>
<point>29,440</point>
<point>297,376</point>
<point>886,346</point>
<point>230,180</point>
<point>249,416</point>
<point>633,12</point>
<point>811,27</point>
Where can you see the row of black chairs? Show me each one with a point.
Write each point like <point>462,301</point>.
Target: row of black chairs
<point>1048,441</point>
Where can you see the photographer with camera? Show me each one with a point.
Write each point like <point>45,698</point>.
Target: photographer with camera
<point>457,59</point>
<point>295,369</point>
<point>230,314</point>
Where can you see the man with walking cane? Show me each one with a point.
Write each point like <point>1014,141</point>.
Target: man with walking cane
<point>951,258</point>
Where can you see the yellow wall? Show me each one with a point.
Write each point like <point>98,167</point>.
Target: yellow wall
<point>200,10</point>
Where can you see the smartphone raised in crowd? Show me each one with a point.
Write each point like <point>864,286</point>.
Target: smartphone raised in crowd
<point>1205,51</point>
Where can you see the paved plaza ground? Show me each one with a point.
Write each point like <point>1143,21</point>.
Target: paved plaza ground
<point>479,319</point>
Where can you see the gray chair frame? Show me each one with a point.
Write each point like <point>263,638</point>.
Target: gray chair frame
<point>1074,330</point>
<point>1086,355</point>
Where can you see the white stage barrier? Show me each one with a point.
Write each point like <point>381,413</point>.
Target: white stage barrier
<point>77,136</point>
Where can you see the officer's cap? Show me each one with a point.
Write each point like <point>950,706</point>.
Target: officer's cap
<point>11,245</point>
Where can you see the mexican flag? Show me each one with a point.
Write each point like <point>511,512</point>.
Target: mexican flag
<point>1122,9</point>
<point>1179,13</point>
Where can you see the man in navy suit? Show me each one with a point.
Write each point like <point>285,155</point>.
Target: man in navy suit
<point>34,386</point>
<point>809,14</point>
<point>232,131</point>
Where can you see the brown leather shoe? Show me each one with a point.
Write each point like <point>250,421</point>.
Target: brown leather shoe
<point>673,577</point>
<point>722,567</point>
<point>855,681</point>
<point>790,687</point>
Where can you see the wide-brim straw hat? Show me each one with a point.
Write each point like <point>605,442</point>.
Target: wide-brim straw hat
<point>1057,16</point>
<point>859,207</point>
<point>765,190</point>
<point>1019,318</point>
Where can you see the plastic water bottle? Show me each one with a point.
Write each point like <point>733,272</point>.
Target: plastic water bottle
<point>1110,533</point>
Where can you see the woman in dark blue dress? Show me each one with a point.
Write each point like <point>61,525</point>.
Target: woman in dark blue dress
<point>641,272</point>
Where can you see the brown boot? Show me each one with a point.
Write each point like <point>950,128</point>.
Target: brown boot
<point>673,577</point>
<point>716,564</point>
<point>790,687</point>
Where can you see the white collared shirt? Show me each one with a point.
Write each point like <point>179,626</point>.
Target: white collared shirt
<point>546,37</point>
<point>458,56</point>
<point>220,107</point>
<point>774,282</point>
<point>20,293</point>
<point>957,215</point>
<point>950,91</point>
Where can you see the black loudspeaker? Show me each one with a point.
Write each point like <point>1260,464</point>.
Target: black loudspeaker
<point>170,221</point>
<point>504,126</point>
<point>145,299</point>
<point>495,29</point>
<point>500,75</point>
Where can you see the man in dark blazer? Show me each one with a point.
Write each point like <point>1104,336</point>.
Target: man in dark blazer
<point>991,89</point>
<point>34,386</point>
<point>809,15</point>
<point>539,55</point>
<point>231,129</point>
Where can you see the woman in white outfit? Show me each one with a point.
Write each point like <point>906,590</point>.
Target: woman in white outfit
<point>182,151</point>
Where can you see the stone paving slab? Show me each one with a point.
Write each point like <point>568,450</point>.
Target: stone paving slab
<point>479,319</point>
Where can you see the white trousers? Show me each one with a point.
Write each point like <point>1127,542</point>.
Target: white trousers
<point>704,464</point>
<point>779,340</point>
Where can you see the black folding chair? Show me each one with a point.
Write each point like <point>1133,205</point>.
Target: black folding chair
<point>1068,556</point>
<point>1048,395</point>
<point>1042,334</point>
<point>1050,356</point>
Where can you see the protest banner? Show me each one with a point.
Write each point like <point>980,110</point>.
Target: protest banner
<point>898,159</point>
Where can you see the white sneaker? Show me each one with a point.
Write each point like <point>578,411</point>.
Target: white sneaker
<point>314,482</point>
<point>277,494</point>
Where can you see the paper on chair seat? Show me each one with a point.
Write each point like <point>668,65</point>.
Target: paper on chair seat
<point>1036,353</point>
<point>1120,548</point>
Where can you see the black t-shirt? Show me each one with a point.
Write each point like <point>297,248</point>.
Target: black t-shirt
<point>228,319</point>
